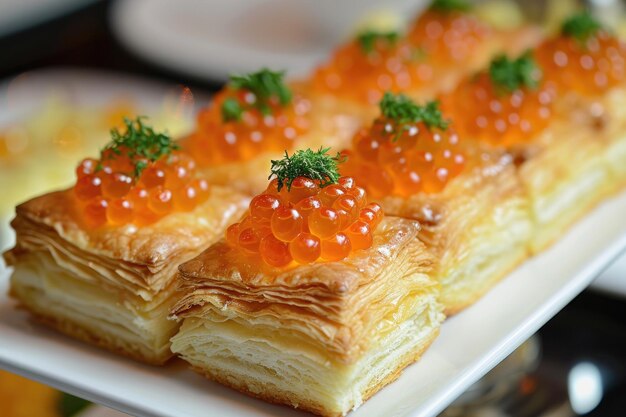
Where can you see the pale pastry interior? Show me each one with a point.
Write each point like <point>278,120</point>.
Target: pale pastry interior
<point>129,325</point>
<point>282,369</point>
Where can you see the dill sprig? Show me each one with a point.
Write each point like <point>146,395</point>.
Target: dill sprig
<point>405,112</point>
<point>509,75</point>
<point>141,144</point>
<point>316,165</point>
<point>231,110</point>
<point>368,39</point>
<point>265,85</point>
<point>581,26</point>
<point>445,6</point>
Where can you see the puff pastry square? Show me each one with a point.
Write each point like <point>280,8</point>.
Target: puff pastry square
<point>565,174</point>
<point>478,227</point>
<point>111,286</point>
<point>321,337</point>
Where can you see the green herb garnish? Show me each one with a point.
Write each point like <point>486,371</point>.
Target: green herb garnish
<point>510,75</point>
<point>446,6</point>
<point>405,112</point>
<point>581,26</point>
<point>368,39</point>
<point>231,110</point>
<point>318,166</point>
<point>141,144</point>
<point>265,85</point>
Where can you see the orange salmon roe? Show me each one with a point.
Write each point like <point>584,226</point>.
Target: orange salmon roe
<point>363,76</point>
<point>246,130</point>
<point>109,193</point>
<point>485,111</point>
<point>448,38</point>
<point>589,67</point>
<point>403,158</point>
<point>307,223</point>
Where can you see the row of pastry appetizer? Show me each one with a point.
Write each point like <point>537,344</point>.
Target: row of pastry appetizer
<point>440,47</point>
<point>302,291</point>
<point>446,43</point>
<point>515,155</point>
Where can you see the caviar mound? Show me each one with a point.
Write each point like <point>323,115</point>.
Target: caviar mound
<point>110,194</point>
<point>505,106</point>
<point>588,67</point>
<point>363,69</point>
<point>246,119</point>
<point>306,223</point>
<point>448,38</point>
<point>140,177</point>
<point>405,153</point>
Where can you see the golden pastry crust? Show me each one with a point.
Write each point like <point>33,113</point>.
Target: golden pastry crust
<point>223,264</point>
<point>83,307</point>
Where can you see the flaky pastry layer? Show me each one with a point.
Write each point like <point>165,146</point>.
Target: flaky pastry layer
<point>326,320</point>
<point>260,361</point>
<point>132,327</point>
<point>129,270</point>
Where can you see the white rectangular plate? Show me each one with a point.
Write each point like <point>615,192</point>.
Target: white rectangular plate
<point>613,280</point>
<point>470,343</point>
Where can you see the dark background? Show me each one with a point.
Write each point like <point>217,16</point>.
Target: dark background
<point>81,39</point>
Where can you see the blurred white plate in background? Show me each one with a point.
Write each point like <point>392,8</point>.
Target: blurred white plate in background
<point>213,38</point>
<point>16,15</point>
<point>24,93</point>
